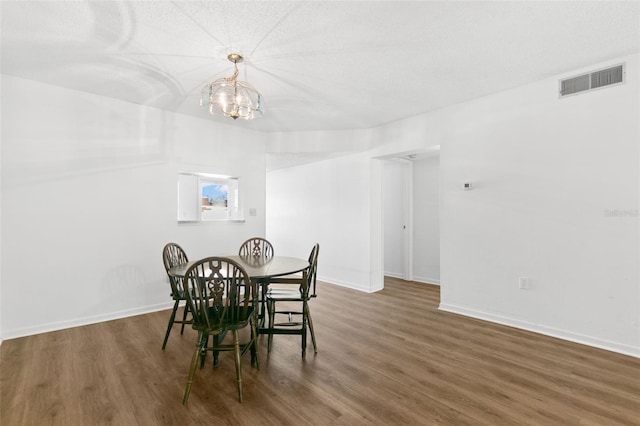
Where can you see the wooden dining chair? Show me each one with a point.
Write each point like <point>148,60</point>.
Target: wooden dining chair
<point>222,298</point>
<point>174,255</point>
<point>258,247</point>
<point>295,300</point>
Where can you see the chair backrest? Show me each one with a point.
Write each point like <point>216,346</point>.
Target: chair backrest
<point>174,255</point>
<point>256,246</point>
<point>311,273</point>
<point>220,293</point>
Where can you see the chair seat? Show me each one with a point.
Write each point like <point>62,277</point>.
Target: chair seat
<point>292,296</point>
<point>218,325</point>
<point>178,295</point>
<point>285,291</point>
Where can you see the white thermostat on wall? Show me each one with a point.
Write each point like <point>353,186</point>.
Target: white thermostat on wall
<point>467,185</point>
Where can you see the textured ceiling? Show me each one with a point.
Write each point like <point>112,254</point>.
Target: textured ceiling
<point>319,65</point>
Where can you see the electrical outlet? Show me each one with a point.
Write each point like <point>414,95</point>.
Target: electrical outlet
<point>524,283</point>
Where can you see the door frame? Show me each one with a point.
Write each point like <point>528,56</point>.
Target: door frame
<point>407,210</point>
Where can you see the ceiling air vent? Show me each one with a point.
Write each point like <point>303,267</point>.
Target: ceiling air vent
<point>593,80</point>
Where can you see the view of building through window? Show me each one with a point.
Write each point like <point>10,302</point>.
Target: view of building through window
<point>218,198</point>
<point>215,201</point>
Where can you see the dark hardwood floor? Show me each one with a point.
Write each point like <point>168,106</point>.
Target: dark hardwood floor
<point>384,359</point>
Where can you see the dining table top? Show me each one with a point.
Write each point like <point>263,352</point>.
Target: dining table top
<point>257,267</point>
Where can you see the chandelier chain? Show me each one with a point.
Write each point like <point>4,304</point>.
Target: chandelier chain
<point>234,77</point>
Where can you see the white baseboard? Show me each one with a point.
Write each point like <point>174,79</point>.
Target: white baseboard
<point>415,279</point>
<point>45,328</point>
<point>427,280</point>
<point>366,290</point>
<point>541,329</point>
<point>393,275</point>
<point>345,284</point>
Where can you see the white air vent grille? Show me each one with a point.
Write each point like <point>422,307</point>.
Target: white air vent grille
<point>593,80</point>
<point>574,85</point>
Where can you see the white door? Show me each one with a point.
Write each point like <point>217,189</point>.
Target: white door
<point>397,218</point>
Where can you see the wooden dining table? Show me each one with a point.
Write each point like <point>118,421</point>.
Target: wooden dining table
<point>261,270</point>
<point>258,267</point>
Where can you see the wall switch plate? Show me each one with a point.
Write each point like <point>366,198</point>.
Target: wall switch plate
<point>253,212</point>
<point>524,283</point>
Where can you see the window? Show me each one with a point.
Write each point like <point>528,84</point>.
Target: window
<point>208,197</point>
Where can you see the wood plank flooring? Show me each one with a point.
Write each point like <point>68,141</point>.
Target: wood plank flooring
<point>389,358</point>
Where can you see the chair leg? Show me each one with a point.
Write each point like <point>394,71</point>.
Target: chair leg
<point>264,287</point>
<point>255,360</point>
<point>236,350</point>
<point>310,322</point>
<point>192,369</point>
<point>203,354</point>
<point>271,306</point>
<point>216,354</point>
<point>171,320</point>
<point>304,331</point>
<point>184,317</point>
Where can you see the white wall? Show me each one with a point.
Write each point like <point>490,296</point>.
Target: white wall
<point>363,178</point>
<point>89,200</point>
<point>1,186</point>
<point>549,176</point>
<point>426,220</point>
<point>325,202</point>
<point>545,172</point>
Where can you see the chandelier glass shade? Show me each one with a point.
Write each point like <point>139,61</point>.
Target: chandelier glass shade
<point>232,98</point>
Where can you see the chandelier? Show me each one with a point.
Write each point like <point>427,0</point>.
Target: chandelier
<point>232,98</point>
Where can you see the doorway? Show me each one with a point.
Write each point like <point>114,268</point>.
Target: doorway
<point>397,204</point>
<point>421,243</point>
